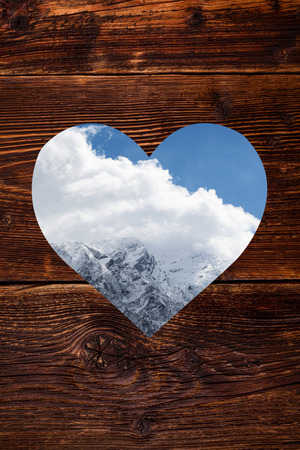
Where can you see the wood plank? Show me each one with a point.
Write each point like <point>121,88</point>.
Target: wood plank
<point>117,36</point>
<point>264,108</point>
<point>223,373</point>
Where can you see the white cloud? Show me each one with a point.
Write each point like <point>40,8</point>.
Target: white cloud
<point>83,197</point>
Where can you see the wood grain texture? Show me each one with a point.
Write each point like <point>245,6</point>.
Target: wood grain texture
<point>222,373</point>
<point>121,36</point>
<point>149,108</point>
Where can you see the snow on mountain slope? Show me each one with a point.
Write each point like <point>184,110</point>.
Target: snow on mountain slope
<point>190,272</point>
<point>148,289</point>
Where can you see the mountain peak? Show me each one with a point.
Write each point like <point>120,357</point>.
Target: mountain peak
<point>148,289</point>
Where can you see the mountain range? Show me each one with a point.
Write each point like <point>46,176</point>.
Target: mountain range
<point>149,289</point>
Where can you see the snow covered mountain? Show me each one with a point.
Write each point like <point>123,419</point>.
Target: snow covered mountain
<point>148,289</point>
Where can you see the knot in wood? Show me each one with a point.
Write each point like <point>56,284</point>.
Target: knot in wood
<point>255,363</point>
<point>19,23</point>
<point>193,360</point>
<point>273,141</point>
<point>102,351</point>
<point>223,105</point>
<point>7,221</point>
<point>143,424</point>
<point>223,108</point>
<point>195,17</point>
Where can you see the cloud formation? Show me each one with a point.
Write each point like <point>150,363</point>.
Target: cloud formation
<point>79,196</point>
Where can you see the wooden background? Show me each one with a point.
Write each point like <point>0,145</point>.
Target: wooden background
<point>224,372</point>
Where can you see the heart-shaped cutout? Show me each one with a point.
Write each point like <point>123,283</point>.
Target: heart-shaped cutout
<point>149,233</point>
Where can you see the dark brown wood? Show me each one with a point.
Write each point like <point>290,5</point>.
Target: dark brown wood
<point>148,108</point>
<point>222,373</point>
<point>119,36</point>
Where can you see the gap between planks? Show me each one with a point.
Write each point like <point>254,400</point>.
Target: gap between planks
<point>79,282</point>
<point>152,74</point>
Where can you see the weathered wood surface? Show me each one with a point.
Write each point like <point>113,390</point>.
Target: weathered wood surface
<point>149,108</point>
<point>222,373</point>
<point>119,36</point>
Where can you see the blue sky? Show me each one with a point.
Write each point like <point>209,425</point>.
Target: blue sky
<point>200,155</point>
<point>114,143</point>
